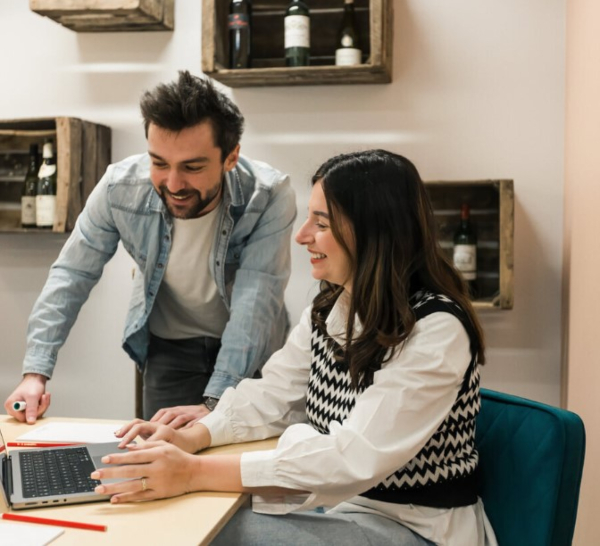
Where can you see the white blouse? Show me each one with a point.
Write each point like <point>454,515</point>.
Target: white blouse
<point>392,420</point>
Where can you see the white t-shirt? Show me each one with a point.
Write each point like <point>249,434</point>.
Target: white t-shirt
<point>188,303</point>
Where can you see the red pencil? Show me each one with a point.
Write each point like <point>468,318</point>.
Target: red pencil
<point>41,444</point>
<point>59,522</point>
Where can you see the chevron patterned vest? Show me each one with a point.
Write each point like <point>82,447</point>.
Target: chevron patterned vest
<point>443,474</point>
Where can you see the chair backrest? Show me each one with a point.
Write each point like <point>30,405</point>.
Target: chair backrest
<point>531,461</point>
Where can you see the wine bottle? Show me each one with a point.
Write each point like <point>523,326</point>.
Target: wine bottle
<point>28,219</point>
<point>465,250</point>
<point>297,34</point>
<point>45,200</point>
<point>239,25</point>
<point>348,48</point>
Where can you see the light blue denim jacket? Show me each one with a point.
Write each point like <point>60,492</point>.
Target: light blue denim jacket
<point>250,262</point>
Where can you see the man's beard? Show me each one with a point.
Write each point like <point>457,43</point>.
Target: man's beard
<point>193,207</point>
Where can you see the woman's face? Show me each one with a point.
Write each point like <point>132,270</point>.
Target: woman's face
<point>329,261</point>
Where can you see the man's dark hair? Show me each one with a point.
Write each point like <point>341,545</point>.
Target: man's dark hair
<point>189,101</point>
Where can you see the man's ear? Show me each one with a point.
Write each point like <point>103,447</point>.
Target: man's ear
<point>232,159</point>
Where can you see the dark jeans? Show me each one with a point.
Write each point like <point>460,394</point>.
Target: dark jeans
<point>177,371</point>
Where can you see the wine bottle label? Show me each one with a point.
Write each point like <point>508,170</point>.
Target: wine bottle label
<point>238,21</point>
<point>465,260</point>
<point>297,31</point>
<point>45,209</point>
<point>46,170</point>
<point>347,56</point>
<point>28,210</point>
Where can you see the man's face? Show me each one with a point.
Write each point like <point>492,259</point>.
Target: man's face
<point>187,170</point>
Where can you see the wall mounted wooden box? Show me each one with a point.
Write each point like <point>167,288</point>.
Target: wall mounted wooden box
<point>375,26</point>
<point>108,15</point>
<point>83,154</point>
<point>492,214</point>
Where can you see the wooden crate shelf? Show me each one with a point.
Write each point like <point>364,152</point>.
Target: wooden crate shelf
<point>492,213</point>
<point>83,154</point>
<point>108,15</point>
<point>375,26</point>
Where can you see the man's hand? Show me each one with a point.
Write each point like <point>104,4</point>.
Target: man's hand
<point>180,416</point>
<point>190,440</point>
<point>32,391</point>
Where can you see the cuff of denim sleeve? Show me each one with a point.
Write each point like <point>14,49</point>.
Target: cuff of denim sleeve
<point>218,382</point>
<point>37,365</point>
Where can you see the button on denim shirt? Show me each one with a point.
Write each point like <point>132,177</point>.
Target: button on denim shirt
<point>250,263</point>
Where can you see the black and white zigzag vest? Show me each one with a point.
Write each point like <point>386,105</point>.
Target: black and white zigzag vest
<point>444,473</point>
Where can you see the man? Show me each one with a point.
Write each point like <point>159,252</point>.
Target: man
<point>209,231</point>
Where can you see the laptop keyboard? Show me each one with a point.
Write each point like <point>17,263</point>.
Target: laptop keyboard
<point>56,472</point>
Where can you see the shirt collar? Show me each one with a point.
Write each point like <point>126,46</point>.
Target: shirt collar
<point>338,318</point>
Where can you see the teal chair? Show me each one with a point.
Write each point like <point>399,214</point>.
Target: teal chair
<point>531,461</point>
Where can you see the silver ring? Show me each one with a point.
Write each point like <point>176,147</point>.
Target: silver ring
<point>144,485</point>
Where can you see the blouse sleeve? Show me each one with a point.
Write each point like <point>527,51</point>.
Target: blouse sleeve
<point>392,420</point>
<point>261,408</point>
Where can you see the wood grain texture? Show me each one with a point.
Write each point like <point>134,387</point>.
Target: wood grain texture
<point>83,154</point>
<point>108,15</point>
<point>492,214</point>
<point>375,27</point>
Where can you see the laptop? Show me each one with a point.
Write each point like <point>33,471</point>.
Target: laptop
<point>52,476</point>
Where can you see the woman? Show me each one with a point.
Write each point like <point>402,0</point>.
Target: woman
<point>374,395</point>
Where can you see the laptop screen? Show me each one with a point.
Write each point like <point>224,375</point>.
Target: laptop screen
<point>4,472</point>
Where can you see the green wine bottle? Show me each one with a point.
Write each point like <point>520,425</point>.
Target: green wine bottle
<point>45,200</point>
<point>348,48</point>
<point>297,34</point>
<point>465,250</point>
<point>30,189</point>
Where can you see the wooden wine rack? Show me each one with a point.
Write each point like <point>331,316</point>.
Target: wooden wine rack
<point>83,154</point>
<point>374,24</point>
<point>492,214</point>
<point>108,16</point>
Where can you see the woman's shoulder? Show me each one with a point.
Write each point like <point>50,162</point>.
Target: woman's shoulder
<point>425,302</point>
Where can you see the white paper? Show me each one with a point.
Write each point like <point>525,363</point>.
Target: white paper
<point>25,534</point>
<point>85,433</point>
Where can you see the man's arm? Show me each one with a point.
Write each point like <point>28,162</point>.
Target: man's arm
<point>72,276</point>
<point>257,299</point>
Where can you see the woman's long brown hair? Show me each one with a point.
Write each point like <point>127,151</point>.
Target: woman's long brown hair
<point>395,252</point>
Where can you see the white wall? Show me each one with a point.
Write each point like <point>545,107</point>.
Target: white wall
<point>478,92</point>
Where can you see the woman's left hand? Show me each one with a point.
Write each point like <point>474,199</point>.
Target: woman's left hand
<point>153,470</point>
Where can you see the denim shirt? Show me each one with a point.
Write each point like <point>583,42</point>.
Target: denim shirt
<point>250,263</point>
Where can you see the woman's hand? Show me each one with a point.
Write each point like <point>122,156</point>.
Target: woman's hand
<point>154,470</point>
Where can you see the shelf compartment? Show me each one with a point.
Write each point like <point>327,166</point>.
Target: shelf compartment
<point>375,26</point>
<point>492,213</point>
<point>108,15</point>
<point>83,154</point>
